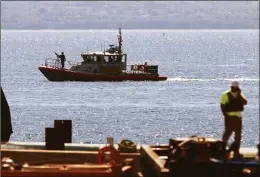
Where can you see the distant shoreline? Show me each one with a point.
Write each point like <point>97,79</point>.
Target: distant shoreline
<point>131,29</point>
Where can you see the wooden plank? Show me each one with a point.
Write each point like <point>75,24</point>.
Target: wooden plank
<point>158,163</point>
<point>68,146</point>
<point>57,156</point>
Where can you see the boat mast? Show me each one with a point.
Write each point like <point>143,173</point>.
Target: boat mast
<point>120,42</point>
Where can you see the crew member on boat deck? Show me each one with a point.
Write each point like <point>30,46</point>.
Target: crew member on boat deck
<point>232,105</point>
<point>62,59</point>
<point>6,124</point>
<point>145,67</point>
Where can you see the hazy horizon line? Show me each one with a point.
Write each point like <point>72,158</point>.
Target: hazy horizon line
<point>126,29</point>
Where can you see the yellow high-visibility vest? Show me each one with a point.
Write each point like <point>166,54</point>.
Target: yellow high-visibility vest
<point>224,100</point>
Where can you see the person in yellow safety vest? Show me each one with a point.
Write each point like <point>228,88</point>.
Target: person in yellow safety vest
<point>232,105</point>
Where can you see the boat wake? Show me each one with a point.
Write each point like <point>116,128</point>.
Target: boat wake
<point>179,79</point>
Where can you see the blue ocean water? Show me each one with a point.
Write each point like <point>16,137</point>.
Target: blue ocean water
<point>199,63</point>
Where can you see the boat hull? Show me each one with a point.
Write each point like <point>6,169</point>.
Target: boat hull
<point>55,74</point>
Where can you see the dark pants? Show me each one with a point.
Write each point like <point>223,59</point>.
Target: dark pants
<point>62,63</point>
<point>233,124</point>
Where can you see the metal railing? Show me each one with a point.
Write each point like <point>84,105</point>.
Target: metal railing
<point>142,69</point>
<point>73,63</point>
<point>56,63</point>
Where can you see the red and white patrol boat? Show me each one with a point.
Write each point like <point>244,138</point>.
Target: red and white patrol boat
<point>108,65</point>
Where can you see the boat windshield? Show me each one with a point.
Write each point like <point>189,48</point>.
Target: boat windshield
<point>104,58</point>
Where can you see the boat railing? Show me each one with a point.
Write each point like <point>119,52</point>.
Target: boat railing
<point>142,69</point>
<point>56,63</point>
<point>51,62</point>
<point>73,63</point>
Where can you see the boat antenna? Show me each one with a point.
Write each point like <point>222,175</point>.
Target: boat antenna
<point>87,48</point>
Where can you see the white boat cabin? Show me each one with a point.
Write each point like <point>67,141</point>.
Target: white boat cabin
<point>108,62</point>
